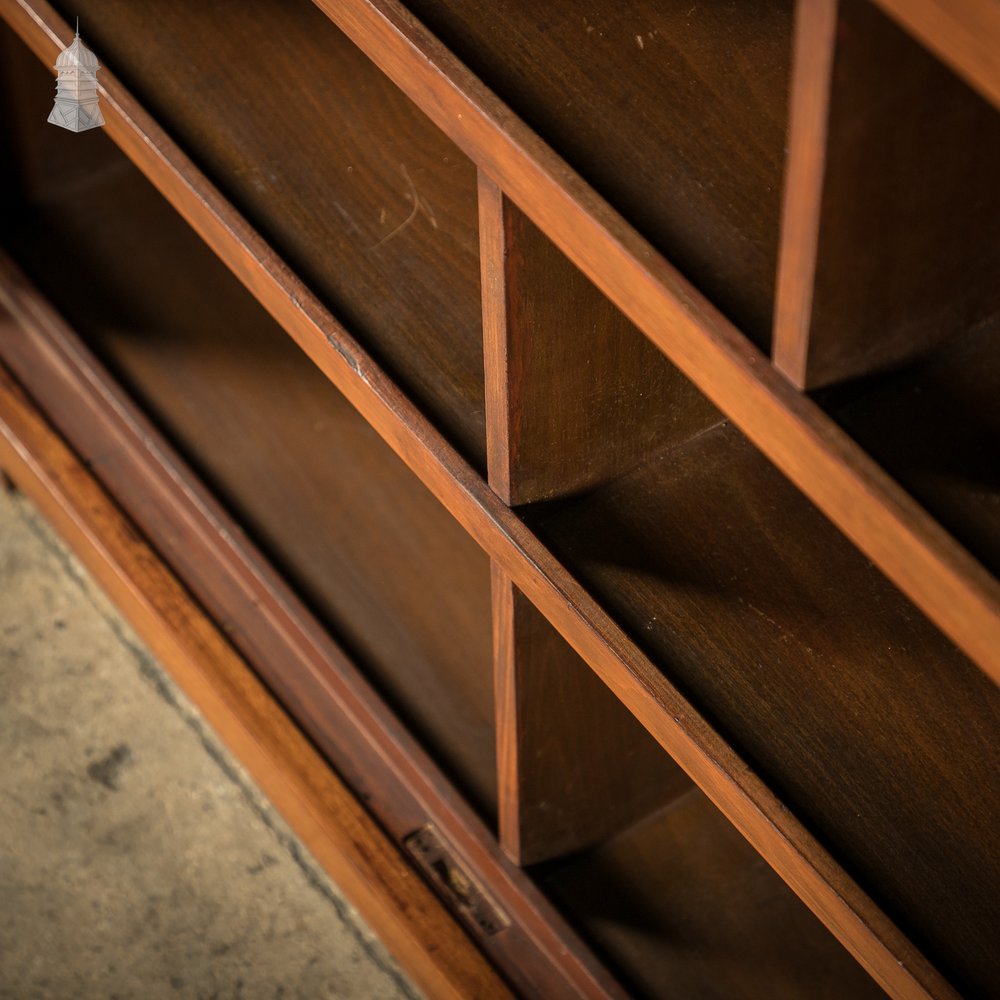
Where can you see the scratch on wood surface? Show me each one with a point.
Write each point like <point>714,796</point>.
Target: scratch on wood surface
<point>417,204</point>
<point>786,636</point>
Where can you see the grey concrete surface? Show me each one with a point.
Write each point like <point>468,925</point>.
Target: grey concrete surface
<point>137,859</point>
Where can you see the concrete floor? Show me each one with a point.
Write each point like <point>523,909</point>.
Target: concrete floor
<point>137,859</point>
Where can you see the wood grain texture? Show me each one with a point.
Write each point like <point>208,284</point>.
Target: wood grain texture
<point>312,676</point>
<point>870,726</point>
<point>575,394</point>
<point>307,478</point>
<point>908,252</point>
<point>674,112</point>
<point>850,487</point>
<point>370,204</point>
<point>865,503</point>
<point>683,907</point>
<point>575,767</point>
<point>324,815</point>
<point>964,33</point>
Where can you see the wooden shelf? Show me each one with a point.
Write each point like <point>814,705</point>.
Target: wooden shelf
<point>691,98</point>
<point>865,504</point>
<point>863,718</point>
<point>357,191</point>
<point>667,608</point>
<point>795,648</point>
<point>681,907</point>
<point>311,482</point>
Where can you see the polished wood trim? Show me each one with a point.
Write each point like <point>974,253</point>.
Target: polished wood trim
<point>729,783</point>
<point>321,810</point>
<point>312,676</point>
<point>909,546</point>
<point>505,698</point>
<point>674,723</point>
<point>963,33</point>
<point>812,66</point>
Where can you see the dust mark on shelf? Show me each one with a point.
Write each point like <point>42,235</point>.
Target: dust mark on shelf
<point>346,216</point>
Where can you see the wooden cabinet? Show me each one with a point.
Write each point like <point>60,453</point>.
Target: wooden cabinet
<point>585,421</point>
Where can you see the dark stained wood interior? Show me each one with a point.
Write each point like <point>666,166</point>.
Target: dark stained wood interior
<point>408,596</point>
<point>796,685</point>
<point>370,204</point>
<point>828,680</point>
<point>908,252</point>
<point>935,426</point>
<point>684,908</point>
<point>576,395</point>
<point>675,112</point>
<point>575,766</point>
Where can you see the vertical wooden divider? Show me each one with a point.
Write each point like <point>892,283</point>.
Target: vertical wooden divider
<point>575,766</point>
<point>575,395</point>
<point>890,243</point>
<point>812,65</point>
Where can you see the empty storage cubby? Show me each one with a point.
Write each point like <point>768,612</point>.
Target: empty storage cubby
<point>891,241</point>
<point>670,895</point>
<point>382,564</point>
<point>356,190</point>
<point>869,725</point>
<point>675,112</point>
